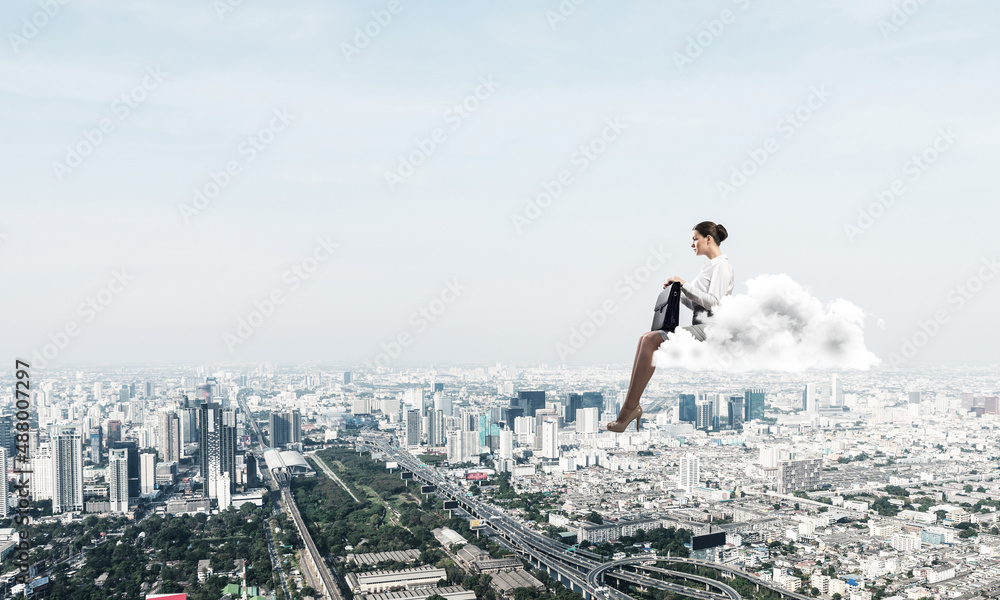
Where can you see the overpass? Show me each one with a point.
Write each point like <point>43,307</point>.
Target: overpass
<point>582,572</point>
<point>279,479</point>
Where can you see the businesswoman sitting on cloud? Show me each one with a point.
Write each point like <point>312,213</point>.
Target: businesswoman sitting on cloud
<point>702,294</point>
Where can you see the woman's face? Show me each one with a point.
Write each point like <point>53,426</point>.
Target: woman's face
<point>699,243</point>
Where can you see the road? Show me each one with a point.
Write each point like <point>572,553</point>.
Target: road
<point>572,568</point>
<point>280,481</point>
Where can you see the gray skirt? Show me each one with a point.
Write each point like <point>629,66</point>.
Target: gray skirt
<point>698,331</point>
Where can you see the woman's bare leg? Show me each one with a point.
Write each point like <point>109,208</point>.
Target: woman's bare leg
<point>642,370</point>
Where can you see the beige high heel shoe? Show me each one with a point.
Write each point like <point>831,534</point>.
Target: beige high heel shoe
<point>619,426</point>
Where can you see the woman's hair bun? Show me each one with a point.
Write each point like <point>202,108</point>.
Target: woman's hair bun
<point>722,233</point>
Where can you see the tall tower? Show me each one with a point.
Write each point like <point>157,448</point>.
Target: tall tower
<point>117,475</point>
<point>550,438</point>
<point>4,493</point>
<point>217,430</point>
<point>170,437</point>
<point>690,472</point>
<point>279,429</point>
<point>67,470</point>
<point>753,404</point>
<point>412,427</point>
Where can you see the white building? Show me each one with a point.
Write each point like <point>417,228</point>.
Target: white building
<point>586,420</point>
<point>117,476</point>
<point>67,470</point>
<point>506,444</point>
<point>690,473</point>
<point>147,473</point>
<point>905,542</point>
<point>550,438</point>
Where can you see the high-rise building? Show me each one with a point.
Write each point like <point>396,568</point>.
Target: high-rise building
<point>705,415</point>
<point>506,444</point>
<point>114,431</point>
<point>134,482</point>
<point>217,433</point>
<point>170,437</point>
<point>124,393</point>
<point>436,433</point>
<point>587,420</point>
<point>98,391</point>
<point>147,472</point>
<point>690,473</point>
<point>189,425</point>
<point>285,428</point>
<point>531,401</point>
<point>550,438</point>
<point>96,444</point>
<point>795,475</point>
<point>42,478</point>
<point>67,470</point>
<point>810,400</point>
<point>8,440</point>
<point>347,377</point>
<point>688,408</point>
<point>4,492</point>
<point>253,479</point>
<point>753,404</point>
<point>734,414</point>
<point>225,486</point>
<point>575,402</point>
<point>117,476</point>
<point>836,391</point>
<point>412,427</point>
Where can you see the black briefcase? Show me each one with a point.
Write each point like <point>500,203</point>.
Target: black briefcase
<point>667,312</point>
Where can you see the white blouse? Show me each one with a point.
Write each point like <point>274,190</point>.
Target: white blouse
<point>714,282</point>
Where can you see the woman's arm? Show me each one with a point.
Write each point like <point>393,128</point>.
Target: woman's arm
<point>720,282</point>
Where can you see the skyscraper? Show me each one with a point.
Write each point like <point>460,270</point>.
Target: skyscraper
<point>134,484</point>
<point>809,399</point>
<point>412,427</point>
<point>170,437</point>
<point>506,444</point>
<point>436,435</point>
<point>347,377</point>
<point>587,420</point>
<point>734,414</point>
<point>8,440</point>
<point>753,404</point>
<point>531,402</point>
<point>4,492</point>
<point>550,438</point>
<point>217,443</point>
<point>705,415</point>
<point>690,472</point>
<point>189,426</point>
<point>285,428</point>
<point>147,472</point>
<point>688,408</point>
<point>117,476</point>
<point>114,431</point>
<point>67,470</point>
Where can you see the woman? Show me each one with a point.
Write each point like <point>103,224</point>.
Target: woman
<point>701,295</point>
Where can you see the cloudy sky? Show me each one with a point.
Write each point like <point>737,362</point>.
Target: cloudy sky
<point>479,180</point>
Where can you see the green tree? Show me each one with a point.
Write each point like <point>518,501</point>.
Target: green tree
<point>595,518</point>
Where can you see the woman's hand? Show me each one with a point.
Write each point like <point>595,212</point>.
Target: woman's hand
<point>673,279</point>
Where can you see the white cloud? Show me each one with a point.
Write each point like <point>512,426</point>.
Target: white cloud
<point>777,325</point>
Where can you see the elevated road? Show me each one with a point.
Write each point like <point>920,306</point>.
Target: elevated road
<point>580,571</point>
<point>280,481</point>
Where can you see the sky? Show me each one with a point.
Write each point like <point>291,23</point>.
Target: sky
<point>393,183</point>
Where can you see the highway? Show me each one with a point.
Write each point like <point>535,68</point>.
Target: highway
<point>281,481</point>
<point>578,570</point>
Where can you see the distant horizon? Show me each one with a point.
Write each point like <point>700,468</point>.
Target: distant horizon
<point>488,183</point>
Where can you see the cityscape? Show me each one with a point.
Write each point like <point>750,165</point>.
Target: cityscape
<point>469,482</point>
<point>521,300</point>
